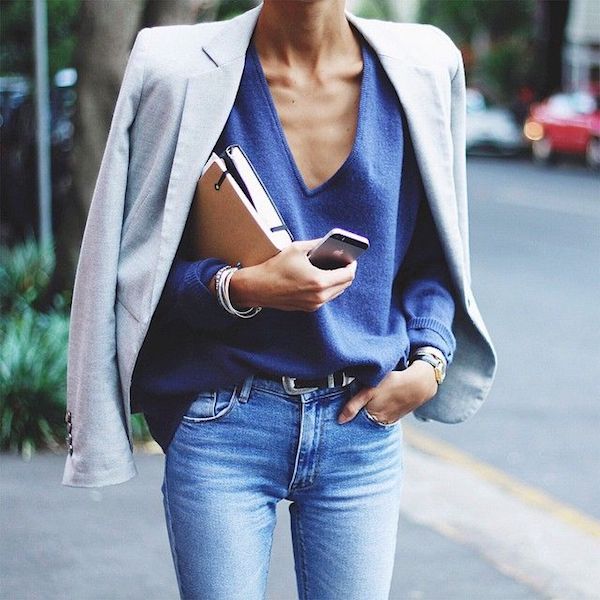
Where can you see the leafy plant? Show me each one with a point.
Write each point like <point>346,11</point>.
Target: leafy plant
<point>32,380</point>
<point>141,432</point>
<point>497,40</point>
<point>25,272</point>
<point>33,354</point>
<point>376,9</point>
<point>16,33</point>
<point>506,67</point>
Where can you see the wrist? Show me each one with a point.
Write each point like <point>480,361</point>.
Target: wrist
<point>434,357</point>
<point>425,373</point>
<point>242,287</point>
<point>222,281</point>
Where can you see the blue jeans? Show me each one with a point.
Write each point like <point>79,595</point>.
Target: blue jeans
<point>239,450</point>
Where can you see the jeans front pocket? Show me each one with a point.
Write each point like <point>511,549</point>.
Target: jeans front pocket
<point>211,405</point>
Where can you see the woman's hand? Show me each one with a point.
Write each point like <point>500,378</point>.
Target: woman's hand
<point>399,393</point>
<point>289,281</point>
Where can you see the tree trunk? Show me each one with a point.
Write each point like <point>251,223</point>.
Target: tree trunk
<point>172,12</point>
<point>107,30</point>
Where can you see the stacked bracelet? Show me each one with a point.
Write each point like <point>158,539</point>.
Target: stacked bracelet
<point>222,279</point>
<point>434,357</point>
<point>430,350</point>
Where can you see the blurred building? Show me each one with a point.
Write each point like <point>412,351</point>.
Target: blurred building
<point>581,54</point>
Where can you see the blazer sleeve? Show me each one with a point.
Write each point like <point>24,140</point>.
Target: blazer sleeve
<point>97,436</point>
<point>458,121</point>
<point>458,118</point>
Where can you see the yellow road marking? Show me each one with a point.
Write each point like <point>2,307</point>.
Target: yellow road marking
<point>524,492</point>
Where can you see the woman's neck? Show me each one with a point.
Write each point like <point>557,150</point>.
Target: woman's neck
<point>304,34</point>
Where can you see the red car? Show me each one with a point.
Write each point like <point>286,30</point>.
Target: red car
<point>566,123</point>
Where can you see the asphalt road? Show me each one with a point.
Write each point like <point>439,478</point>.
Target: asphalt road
<point>495,508</point>
<point>111,544</point>
<point>535,251</point>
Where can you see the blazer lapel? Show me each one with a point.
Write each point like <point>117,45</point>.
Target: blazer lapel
<point>209,98</point>
<point>429,127</point>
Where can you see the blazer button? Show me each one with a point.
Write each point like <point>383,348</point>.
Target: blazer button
<point>68,416</point>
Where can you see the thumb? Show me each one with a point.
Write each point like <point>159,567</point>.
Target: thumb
<point>306,245</point>
<point>353,406</point>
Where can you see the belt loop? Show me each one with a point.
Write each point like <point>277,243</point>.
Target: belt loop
<point>246,388</point>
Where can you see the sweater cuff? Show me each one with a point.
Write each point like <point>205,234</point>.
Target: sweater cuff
<point>425,331</point>
<point>200,307</point>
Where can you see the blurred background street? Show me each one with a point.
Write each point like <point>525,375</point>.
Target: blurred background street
<point>504,506</point>
<point>535,244</point>
<point>528,528</point>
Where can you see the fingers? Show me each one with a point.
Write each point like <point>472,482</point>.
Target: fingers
<point>340,276</point>
<point>353,406</point>
<point>338,290</point>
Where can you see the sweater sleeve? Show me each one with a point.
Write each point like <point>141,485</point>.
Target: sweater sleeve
<point>186,295</point>
<point>424,278</point>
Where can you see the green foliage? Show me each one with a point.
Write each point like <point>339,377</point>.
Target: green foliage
<point>33,354</point>
<point>509,25</point>
<point>461,19</point>
<point>140,429</point>
<point>32,380</point>
<point>32,351</point>
<point>505,68</point>
<point>375,9</point>
<point>25,272</point>
<point>231,8</point>
<point>16,35</point>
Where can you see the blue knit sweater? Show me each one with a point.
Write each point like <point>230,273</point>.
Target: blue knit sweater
<point>400,298</point>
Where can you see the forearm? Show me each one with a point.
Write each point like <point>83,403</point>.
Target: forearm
<point>429,310</point>
<point>425,289</point>
<point>241,287</point>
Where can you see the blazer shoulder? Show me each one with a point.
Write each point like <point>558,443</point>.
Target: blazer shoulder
<point>419,44</point>
<point>177,49</point>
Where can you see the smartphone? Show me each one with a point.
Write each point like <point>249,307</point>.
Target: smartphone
<point>337,249</point>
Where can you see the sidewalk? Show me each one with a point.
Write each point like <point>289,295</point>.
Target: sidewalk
<point>462,536</point>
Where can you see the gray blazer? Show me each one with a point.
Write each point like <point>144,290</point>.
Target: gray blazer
<point>178,89</point>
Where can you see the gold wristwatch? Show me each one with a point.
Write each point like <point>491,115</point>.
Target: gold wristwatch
<point>434,357</point>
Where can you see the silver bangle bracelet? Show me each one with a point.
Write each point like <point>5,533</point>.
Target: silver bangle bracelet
<point>222,279</point>
<point>430,350</point>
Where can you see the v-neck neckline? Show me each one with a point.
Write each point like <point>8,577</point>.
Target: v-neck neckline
<point>281,132</point>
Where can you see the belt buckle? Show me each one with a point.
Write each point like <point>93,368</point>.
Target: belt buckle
<point>347,379</point>
<point>290,386</point>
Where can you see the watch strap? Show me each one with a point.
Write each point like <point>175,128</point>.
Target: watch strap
<point>434,359</point>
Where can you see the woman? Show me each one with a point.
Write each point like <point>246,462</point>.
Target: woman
<point>303,400</point>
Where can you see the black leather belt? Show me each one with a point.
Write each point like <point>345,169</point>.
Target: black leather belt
<point>296,385</point>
